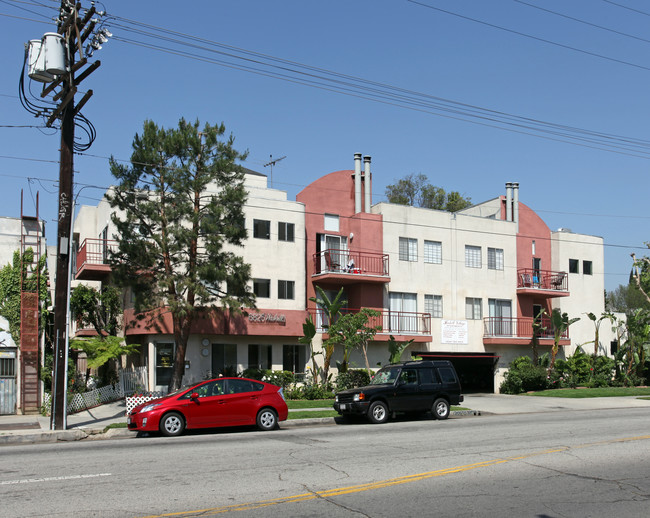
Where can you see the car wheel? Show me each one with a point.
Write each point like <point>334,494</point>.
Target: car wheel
<point>378,412</point>
<point>172,424</point>
<point>440,408</point>
<point>267,419</point>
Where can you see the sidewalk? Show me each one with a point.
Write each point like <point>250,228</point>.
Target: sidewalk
<point>90,424</point>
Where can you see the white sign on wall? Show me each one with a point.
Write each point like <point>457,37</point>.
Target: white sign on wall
<point>454,332</point>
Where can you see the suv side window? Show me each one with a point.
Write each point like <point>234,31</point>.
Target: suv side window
<point>409,376</point>
<point>427,376</point>
<point>447,375</point>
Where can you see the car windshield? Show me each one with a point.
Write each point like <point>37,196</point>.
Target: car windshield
<point>386,376</point>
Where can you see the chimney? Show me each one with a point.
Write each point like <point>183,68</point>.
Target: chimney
<point>509,201</point>
<point>515,203</point>
<point>357,183</point>
<point>366,187</point>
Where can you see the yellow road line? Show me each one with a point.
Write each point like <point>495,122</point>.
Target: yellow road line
<point>384,483</point>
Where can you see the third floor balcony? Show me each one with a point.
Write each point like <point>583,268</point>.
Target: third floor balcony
<point>546,283</point>
<point>92,259</point>
<point>349,267</point>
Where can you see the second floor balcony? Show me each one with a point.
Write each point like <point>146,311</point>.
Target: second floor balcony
<point>542,282</point>
<point>391,322</point>
<point>499,330</point>
<point>349,267</point>
<point>92,259</point>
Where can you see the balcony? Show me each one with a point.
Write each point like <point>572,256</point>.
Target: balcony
<point>544,283</point>
<point>391,322</point>
<point>507,330</point>
<point>348,267</point>
<point>92,259</point>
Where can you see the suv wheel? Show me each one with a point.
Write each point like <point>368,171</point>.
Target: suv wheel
<point>378,412</point>
<point>440,408</point>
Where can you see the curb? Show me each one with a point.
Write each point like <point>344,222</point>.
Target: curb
<point>96,434</point>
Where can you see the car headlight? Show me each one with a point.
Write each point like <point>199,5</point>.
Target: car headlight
<point>359,397</point>
<point>149,408</point>
<point>336,399</point>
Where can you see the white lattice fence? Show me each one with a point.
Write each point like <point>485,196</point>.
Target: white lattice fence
<point>90,399</point>
<point>133,401</point>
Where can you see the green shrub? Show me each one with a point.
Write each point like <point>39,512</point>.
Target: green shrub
<point>352,378</point>
<point>282,379</point>
<point>523,376</point>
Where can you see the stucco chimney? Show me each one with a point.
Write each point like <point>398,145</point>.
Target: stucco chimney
<point>509,201</point>
<point>367,182</point>
<point>515,203</point>
<point>357,183</point>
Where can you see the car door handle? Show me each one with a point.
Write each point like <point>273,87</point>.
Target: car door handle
<point>254,397</point>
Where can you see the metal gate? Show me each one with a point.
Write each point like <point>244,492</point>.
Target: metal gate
<point>7,381</point>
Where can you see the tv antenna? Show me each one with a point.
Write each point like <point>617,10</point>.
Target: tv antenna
<point>271,163</point>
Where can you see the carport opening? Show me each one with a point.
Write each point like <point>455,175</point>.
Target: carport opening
<point>475,370</point>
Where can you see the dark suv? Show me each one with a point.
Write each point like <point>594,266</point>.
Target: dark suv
<point>408,387</point>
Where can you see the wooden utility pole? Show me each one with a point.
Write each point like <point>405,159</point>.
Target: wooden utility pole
<point>73,29</point>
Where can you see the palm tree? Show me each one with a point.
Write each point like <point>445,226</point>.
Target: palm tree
<point>560,322</point>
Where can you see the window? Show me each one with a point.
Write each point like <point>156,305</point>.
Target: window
<point>500,322</point>
<point>331,222</point>
<point>285,231</point>
<point>586,268</point>
<point>262,288</point>
<point>495,258</point>
<point>403,316</point>
<point>433,305</point>
<point>473,308</point>
<point>224,359</point>
<point>408,249</point>
<point>574,266</point>
<point>261,229</point>
<point>294,358</point>
<point>433,252</point>
<point>472,256</point>
<point>286,289</point>
<point>260,356</point>
<point>164,362</point>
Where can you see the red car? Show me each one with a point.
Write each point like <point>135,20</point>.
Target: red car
<point>218,402</point>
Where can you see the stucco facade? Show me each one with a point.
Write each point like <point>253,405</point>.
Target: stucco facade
<point>465,286</point>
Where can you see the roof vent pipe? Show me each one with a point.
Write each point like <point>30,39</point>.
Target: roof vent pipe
<point>366,186</point>
<point>357,183</point>
<point>515,203</point>
<point>509,201</point>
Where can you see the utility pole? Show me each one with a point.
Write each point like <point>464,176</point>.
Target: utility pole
<point>74,31</point>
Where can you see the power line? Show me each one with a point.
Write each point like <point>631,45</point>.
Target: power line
<point>536,38</point>
<point>578,20</point>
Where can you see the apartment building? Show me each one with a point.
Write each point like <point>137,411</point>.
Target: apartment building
<point>465,286</point>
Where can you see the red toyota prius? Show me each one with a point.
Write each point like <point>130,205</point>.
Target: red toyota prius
<point>213,403</point>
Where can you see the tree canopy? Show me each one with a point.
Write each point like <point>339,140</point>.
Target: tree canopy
<point>179,222</point>
<point>415,190</point>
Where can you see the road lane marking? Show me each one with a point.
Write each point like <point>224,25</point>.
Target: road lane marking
<point>52,479</point>
<point>384,483</point>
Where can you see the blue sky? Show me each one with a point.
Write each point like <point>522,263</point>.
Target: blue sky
<point>582,64</point>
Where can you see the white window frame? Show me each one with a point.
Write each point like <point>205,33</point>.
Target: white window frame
<point>408,249</point>
<point>432,252</point>
<point>495,258</point>
<point>284,287</point>
<point>433,305</point>
<point>473,308</point>
<point>331,222</point>
<point>473,256</point>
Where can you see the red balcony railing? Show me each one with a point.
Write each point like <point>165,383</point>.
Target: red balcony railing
<point>517,328</point>
<point>529,278</point>
<point>349,262</point>
<point>393,322</point>
<point>94,252</point>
